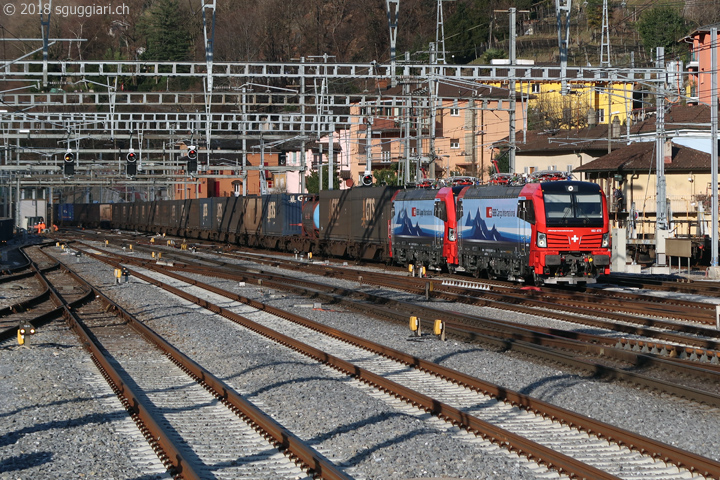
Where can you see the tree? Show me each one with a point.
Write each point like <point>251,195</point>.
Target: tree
<point>167,33</point>
<point>312,181</point>
<point>662,27</point>
<point>387,176</point>
<point>467,29</point>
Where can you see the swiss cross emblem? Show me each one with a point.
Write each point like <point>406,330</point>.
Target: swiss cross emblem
<point>488,212</point>
<point>575,239</point>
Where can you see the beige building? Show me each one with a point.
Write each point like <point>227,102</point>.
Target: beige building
<point>632,169</point>
<point>469,119</point>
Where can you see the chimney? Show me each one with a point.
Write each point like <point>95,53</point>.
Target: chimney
<point>615,130</point>
<point>591,117</point>
<point>668,151</point>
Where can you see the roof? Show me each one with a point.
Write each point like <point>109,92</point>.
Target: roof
<point>595,138</point>
<point>640,157</point>
<point>679,117</point>
<point>576,140</point>
<point>703,29</point>
<point>457,89</point>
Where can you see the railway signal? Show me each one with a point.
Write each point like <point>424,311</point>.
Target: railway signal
<point>367,179</point>
<point>69,164</point>
<point>192,164</point>
<point>131,165</point>
<point>23,331</point>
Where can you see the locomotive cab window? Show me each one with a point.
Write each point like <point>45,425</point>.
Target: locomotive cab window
<point>526,211</point>
<point>588,206</point>
<point>573,208</point>
<point>441,211</point>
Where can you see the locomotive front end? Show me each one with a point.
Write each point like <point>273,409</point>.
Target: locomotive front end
<point>572,238</point>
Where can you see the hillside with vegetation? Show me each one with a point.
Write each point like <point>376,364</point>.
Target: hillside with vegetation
<point>357,31</point>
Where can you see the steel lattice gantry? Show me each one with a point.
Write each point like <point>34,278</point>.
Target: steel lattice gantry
<point>273,101</point>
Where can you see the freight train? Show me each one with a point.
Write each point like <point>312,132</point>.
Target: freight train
<point>546,232</point>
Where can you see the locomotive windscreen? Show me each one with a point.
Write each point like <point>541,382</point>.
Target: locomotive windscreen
<point>572,207</point>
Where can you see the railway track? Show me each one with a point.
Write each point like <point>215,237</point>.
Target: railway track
<point>507,418</point>
<point>28,301</point>
<point>665,284</point>
<point>196,423</point>
<point>642,361</point>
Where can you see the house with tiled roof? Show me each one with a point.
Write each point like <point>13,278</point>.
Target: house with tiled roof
<point>632,169</point>
<point>700,65</point>
<point>469,118</point>
<point>568,149</point>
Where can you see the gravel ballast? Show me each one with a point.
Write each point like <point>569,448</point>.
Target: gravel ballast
<point>370,434</point>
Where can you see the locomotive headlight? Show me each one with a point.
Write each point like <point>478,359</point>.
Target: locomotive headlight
<point>606,240</point>
<point>451,234</point>
<point>541,240</point>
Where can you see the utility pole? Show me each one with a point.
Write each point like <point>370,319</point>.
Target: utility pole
<point>563,8</point>
<point>393,10</point>
<point>714,146</point>
<point>433,85</point>
<point>513,94</point>
<point>440,32</point>
<point>45,26</point>
<point>209,53</point>
<point>512,84</point>
<point>661,221</point>
<point>605,38</point>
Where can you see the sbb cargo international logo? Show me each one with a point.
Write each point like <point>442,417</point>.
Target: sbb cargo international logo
<point>491,212</point>
<point>420,212</point>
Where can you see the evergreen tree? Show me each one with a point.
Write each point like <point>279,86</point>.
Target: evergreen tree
<point>662,27</point>
<point>167,34</point>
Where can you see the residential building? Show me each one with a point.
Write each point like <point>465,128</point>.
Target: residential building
<point>468,119</point>
<point>700,64</point>
<point>587,101</point>
<point>632,169</point>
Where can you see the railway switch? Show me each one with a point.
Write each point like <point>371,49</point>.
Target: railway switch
<point>23,331</point>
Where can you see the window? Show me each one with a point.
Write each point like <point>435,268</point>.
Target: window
<point>454,112</point>
<point>526,211</point>
<point>564,208</point>
<point>601,115</point>
<point>454,143</point>
<point>535,88</point>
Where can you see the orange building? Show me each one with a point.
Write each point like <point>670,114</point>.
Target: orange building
<point>700,65</point>
<point>469,118</point>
